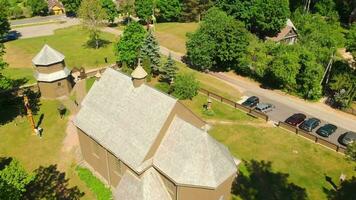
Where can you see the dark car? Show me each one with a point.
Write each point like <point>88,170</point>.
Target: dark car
<point>347,138</point>
<point>296,119</point>
<point>326,130</point>
<point>310,124</point>
<point>251,102</point>
<point>12,35</point>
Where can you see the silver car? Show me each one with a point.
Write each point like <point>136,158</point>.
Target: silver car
<point>348,138</point>
<point>264,107</point>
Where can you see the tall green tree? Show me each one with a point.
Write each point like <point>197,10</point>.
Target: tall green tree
<point>127,8</point>
<point>13,181</point>
<point>169,70</point>
<point>192,10</point>
<point>265,18</point>
<point>168,10</point>
<point>38,7</point>
<point>351,40</point>
<point>185,86</point>
<point>219,42</point>
<point>110,9</point>
<point>128,48</point>
<point>92,15</point>
<point>150,49</point>
<point>5,83</point>
<point>144,9</point>
<point>71,6</point>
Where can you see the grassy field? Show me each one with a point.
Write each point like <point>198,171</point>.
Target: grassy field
<point>20,73</point>
<point>306,163</point>
<point>70,41</point>
<point>173,35</point>
<point>17,141</point>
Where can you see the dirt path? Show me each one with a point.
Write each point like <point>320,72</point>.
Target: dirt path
<point>230,122</point>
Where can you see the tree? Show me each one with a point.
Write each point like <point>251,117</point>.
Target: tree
<point>351,40</point>
<point>283,69</point>
<point>192,10</point>
<point>169,70</point>
<point>346,190</point>
<point>168,10</point>
<point>127,9</point>
<point>265,18</point>
<point>38,7</point>
<point>344,86</point>
<point>219,42</point>
<point>13,181</point>
<point>128,48</point>
<point>327,8</point>
<point>150,49</point>
<point>351,151</point>
<point>144,9</point>
<point>71,6</point>
<point>185,86</point>
<point>92,14</point>
<point>4,29</point>
<point>110,9</point>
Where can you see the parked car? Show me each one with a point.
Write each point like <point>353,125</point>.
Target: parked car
<point>347,138</point>
<point>295,119</point>
<point>12,35</point>
<point>310,124</point>
<point>251,102</point>
<point>264,107</point>
<point>326,130</point>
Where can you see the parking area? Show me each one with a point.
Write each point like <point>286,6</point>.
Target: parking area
<point>281,112</point>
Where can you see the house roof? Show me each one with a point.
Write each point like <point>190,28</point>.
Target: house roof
<point>52,3</point>
<point>47,56</point>
<point>149,187</point>
<point>52,76</point>
<point>202,160</point>
<point>124,119</point>
<point>284,32</point>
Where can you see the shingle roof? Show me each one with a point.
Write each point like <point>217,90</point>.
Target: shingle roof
<point>284,32</point>
<point>190,156</point>
<point>149,187</point>
<point>124,119</point>
<point>52,76</point>
<point>47,56</point>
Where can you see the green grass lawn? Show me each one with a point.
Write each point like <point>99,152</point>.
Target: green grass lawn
<point>69,41</point>
<point>17,141</point>
<point>250,139</point>
<point>20,73</point>
<point>173,35</point>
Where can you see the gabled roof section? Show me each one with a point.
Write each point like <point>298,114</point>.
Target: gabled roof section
<point>149,187</point>
<point>47,56</point>
<point>284,32</point>
<point>124,119</point>
<point>189,156</point>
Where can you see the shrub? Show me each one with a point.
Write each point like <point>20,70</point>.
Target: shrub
<point>185,86</point>
<point>163,86</point>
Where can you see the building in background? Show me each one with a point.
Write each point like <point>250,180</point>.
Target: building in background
<point>287,35</point>
<point>55,7</point>
<point>52,75</point>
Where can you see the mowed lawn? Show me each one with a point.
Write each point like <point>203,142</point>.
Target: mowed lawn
<point>173,35</point>
<point>248,139</point>
<point>18,141</point>
<point>69,41</point>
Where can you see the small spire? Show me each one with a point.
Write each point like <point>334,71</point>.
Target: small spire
<point>139,72</point>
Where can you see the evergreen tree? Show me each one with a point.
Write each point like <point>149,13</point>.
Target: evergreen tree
<point>150,49</point>
<point>169,70</point>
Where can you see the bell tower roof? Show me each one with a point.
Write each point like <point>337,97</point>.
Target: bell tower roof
<point>47,56</point>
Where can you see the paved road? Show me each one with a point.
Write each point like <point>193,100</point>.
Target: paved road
<point>34,20</point>
<point>287,105</point>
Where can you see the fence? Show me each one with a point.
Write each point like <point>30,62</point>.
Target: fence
<point>235,105</point>
<point>312,137</point>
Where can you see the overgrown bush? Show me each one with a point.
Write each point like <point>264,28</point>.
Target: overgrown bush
<point>185,86</point>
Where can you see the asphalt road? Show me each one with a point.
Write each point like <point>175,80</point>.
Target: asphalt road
<point>35,20</point>
<point>287,106</point>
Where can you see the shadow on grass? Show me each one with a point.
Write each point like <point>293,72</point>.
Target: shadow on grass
<point>12,105</point>
<point>92,44</point>
<point>346,191</point>
<point>49,183</point>
<point>262,183</point>
<point>4,161</point>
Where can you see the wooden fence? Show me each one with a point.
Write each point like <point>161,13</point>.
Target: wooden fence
<point>312,137</point>
<point>233,104</point>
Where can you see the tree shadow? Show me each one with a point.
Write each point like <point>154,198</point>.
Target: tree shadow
<point>92,43</point>
<point>40,120</point>
<point>49,183</point>
<point>346,191</point>
<point>4,161</point>
<point>12,104</point>
<point>263,183</point>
